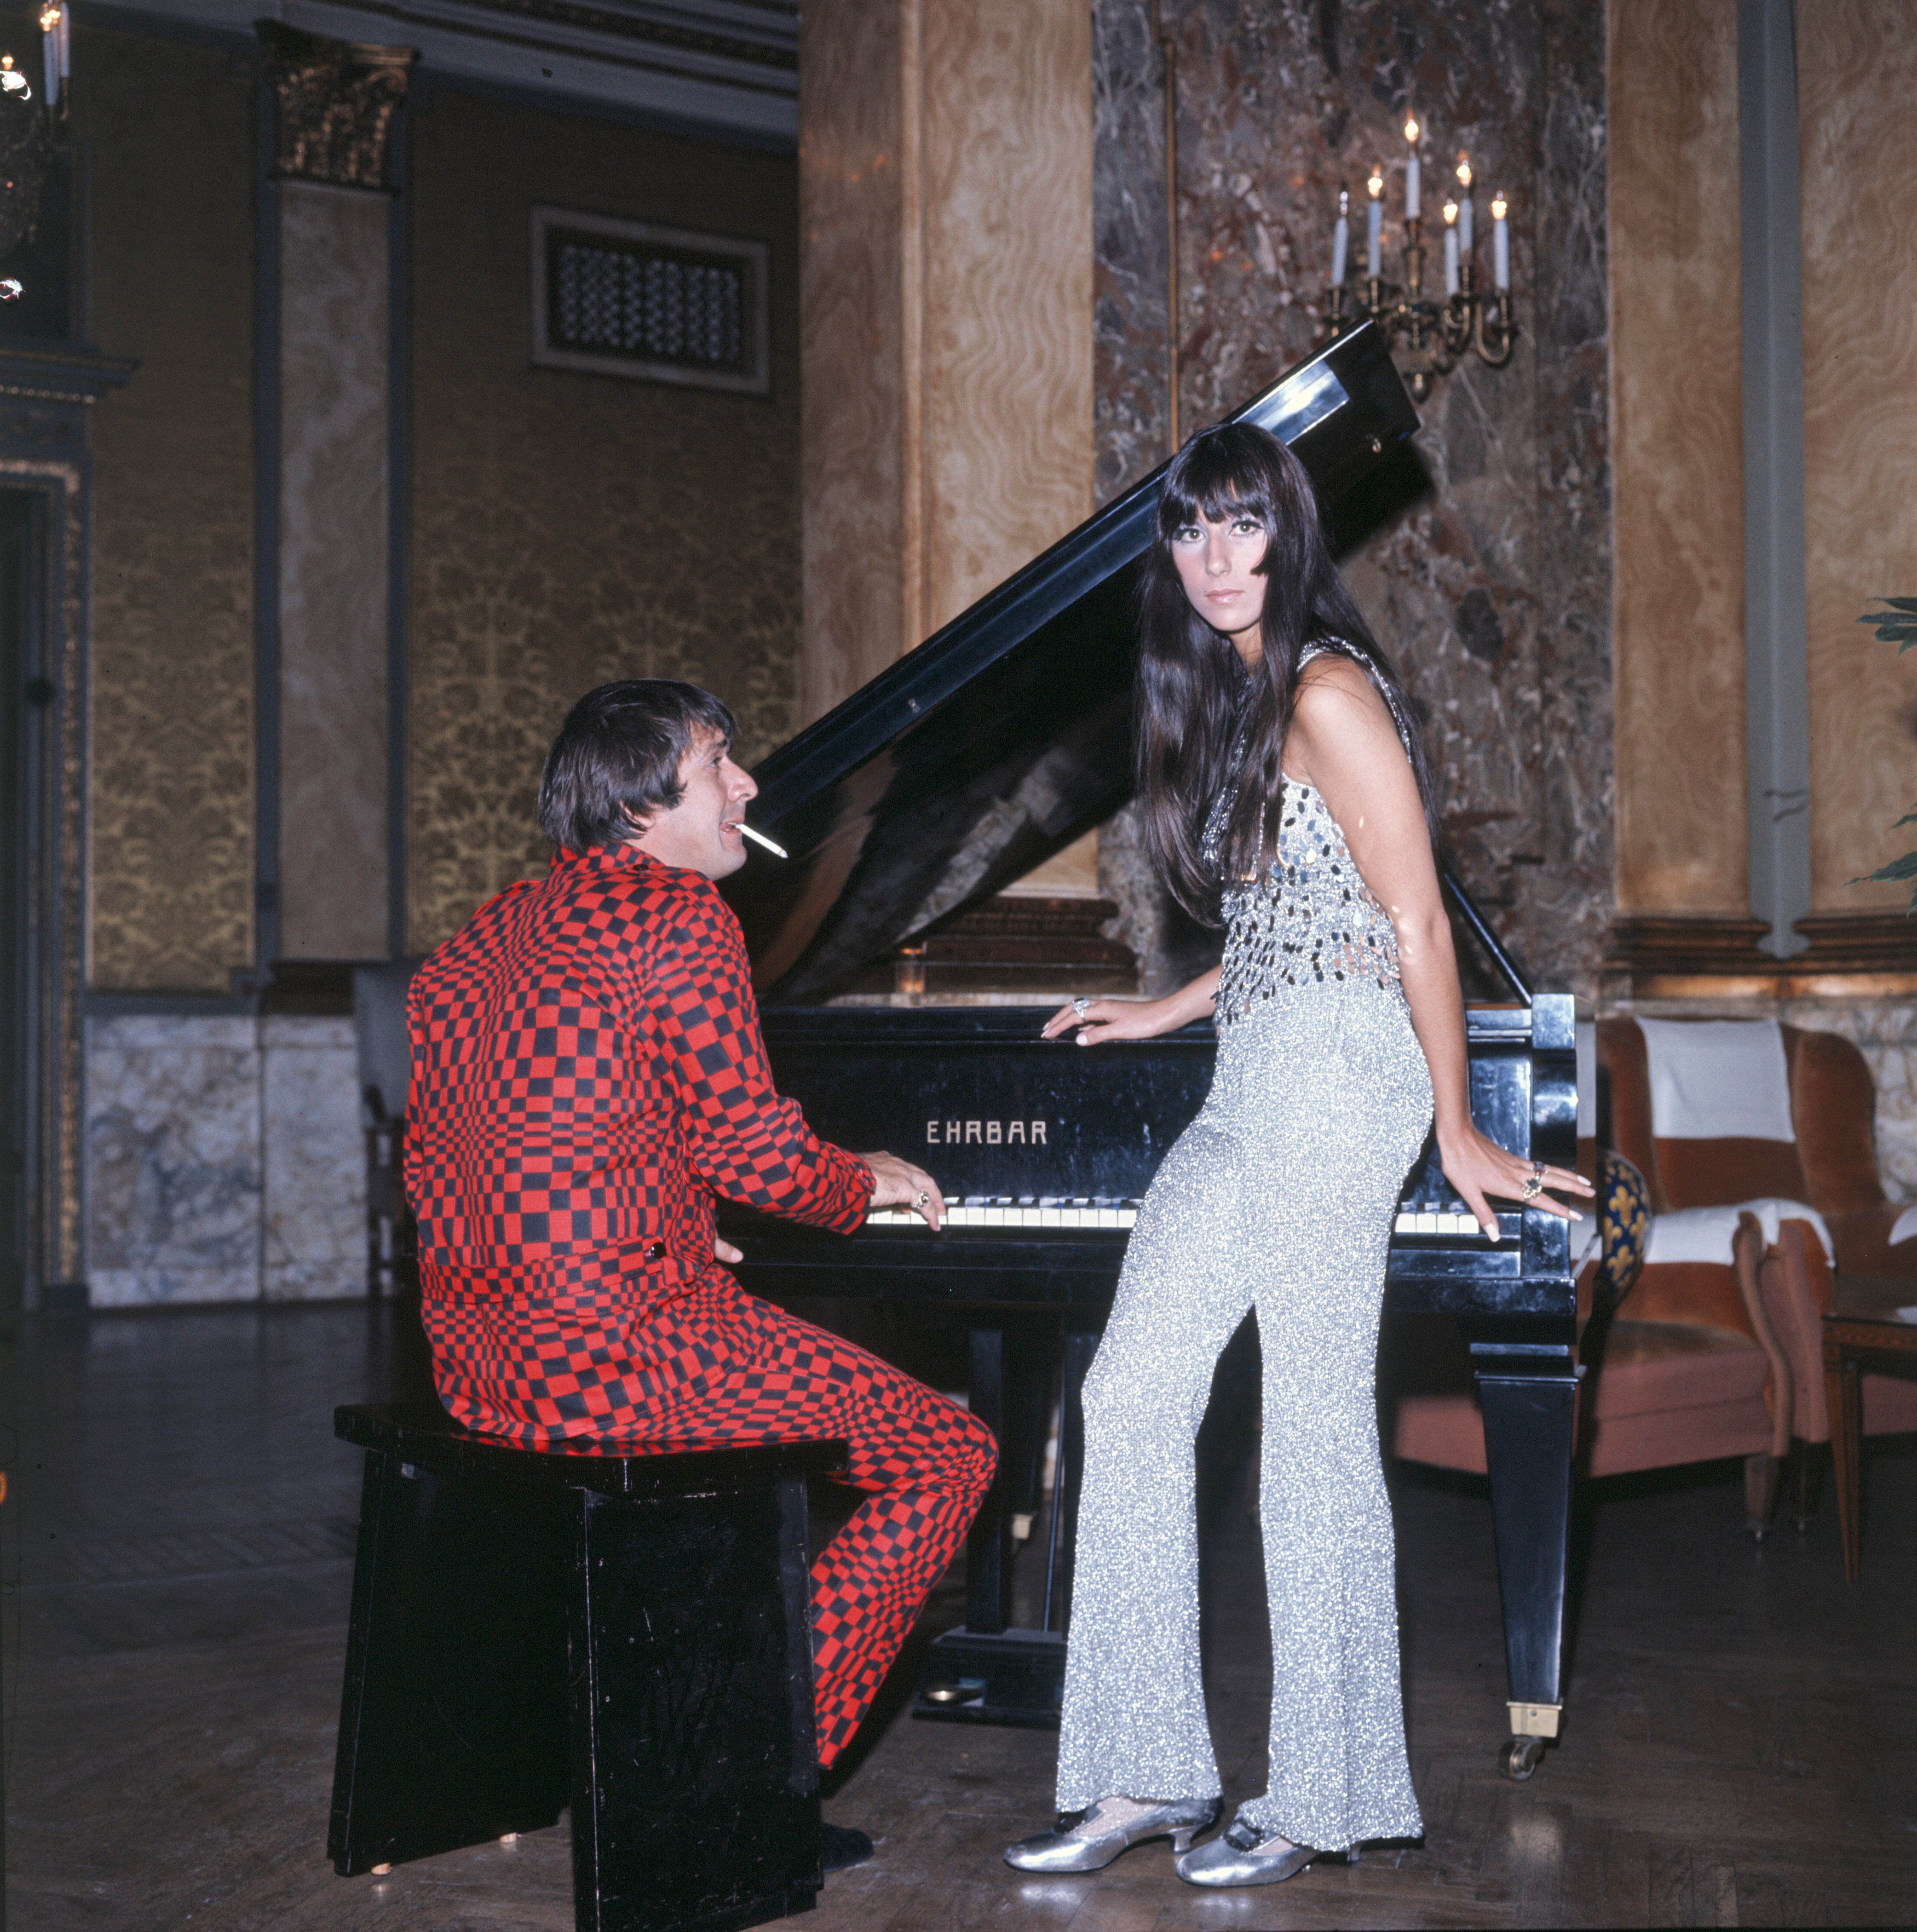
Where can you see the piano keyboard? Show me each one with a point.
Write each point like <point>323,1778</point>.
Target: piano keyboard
<point>1423,1223</point>
<point>1070,1214</point>
<point>1013,1214</point>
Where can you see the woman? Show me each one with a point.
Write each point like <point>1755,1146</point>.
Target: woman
<point>1284,791</point>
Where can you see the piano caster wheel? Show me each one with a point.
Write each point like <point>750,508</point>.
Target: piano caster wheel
<point>1520,1758</point>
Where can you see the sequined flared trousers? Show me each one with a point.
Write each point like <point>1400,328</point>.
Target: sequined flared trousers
<point>1280,1196</point>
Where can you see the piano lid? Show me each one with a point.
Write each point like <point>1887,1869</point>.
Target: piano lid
<point>1007,733</point>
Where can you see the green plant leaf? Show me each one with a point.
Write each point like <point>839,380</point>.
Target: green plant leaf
<point>1905,868</point>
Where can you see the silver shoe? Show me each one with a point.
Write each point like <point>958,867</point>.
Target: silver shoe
<point>1237,1858</point>
<point>1086,1848</point>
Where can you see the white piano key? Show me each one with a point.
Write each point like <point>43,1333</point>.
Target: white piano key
<point>1427,1224</point>
<point>1405,1224</point>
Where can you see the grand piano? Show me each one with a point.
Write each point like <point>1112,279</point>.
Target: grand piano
<point>955,772</point>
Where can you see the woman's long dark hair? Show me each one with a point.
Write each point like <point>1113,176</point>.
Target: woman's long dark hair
<point>1192,693</point>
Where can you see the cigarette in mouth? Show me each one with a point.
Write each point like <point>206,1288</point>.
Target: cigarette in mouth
<point>760,838</point>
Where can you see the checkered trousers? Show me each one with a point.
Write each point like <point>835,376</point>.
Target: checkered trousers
<point>718,1366</point>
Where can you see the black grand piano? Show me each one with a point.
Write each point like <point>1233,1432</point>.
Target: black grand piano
<point>953,773</point>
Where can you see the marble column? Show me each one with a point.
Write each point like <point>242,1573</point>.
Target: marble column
<point>1856,66</point>
<point>334,454</point>
<point>1678,649</point>
<point>332,810</point>
<point>946,290</point>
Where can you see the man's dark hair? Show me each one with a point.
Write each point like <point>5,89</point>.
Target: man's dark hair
<point>616,760</point>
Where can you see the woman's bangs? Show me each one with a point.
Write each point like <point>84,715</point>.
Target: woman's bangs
<point>1209,486</point>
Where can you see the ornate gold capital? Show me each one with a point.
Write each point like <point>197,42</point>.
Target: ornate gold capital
<point>334,107</point>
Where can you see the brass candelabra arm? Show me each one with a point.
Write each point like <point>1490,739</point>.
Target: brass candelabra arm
<point>1496,331</point>
<point>1459,319</point>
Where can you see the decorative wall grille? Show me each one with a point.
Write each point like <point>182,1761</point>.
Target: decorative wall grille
<point>665,305</point>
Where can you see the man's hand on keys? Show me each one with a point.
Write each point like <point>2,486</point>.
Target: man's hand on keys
<point>898,1184</point>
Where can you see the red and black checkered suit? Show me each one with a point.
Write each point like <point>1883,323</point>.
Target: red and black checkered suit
<point>587,1076</point>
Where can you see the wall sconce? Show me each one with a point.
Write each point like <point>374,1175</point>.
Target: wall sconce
<point>1436,334</point>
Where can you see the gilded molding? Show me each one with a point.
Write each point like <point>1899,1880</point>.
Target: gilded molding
<point>334,107</point>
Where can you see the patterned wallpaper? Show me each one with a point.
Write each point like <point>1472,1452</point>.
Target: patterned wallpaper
<point>171,796</point>
<point>571,528</point>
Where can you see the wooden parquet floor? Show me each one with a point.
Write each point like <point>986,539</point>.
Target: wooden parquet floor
<point>1741,1748</point>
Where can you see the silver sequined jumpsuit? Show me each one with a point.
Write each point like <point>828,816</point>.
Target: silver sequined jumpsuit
<point>1279,1196</point>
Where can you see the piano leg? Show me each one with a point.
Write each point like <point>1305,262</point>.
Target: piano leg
<point>984,1672</point>
<point>989,1546</point>
<point>1528,1397</point>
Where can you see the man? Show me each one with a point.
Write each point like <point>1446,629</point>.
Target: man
<point>588,1076</point>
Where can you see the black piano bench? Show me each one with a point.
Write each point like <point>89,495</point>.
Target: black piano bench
<point>620,1628</point>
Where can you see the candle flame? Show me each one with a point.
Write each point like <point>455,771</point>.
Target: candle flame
<point>1376,183</point>
<point>1498,205</point>
<point>1344,201</point>
<point>1450,213</point>
<point>50,17</point>
<point>1411,129</point>
<point>1464,169</point>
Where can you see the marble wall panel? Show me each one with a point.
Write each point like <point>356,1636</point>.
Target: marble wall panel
<point>569,528</point>
<point>1131,292</point>
<point>174,1159</point>
<point>314,1199</point>
<point>853,325</point>
<point>170,784</point>
<point>1483,561</point>
<point>225,1160</point>
<point>1005,155</point>
<point>334,280</point>
<point>1857,76</point>
<point>1677,444</point>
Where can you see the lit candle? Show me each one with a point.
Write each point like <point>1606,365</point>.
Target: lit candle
<point>1413,201</point>
<point>1500,242</point>
<point>1450,248</point>
<point>50,25</point>
<point>1374,221</point>
<point>1341,239</point>
<point>1464,204</point>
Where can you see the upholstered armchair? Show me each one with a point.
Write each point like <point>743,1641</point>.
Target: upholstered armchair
<point>1828,1165</point>
<point>1754,1143</point>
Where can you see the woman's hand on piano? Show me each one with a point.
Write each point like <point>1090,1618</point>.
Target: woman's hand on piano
<point>1135,1019</point>
<point>898,1184</point>
<point>1477,1167</point>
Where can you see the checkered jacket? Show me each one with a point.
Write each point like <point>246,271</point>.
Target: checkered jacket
<point>588,1075</point>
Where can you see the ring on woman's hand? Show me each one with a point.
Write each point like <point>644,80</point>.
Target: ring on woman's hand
<point>1534,1186</point>
<point>923,1200</point>
<point>1081,1006</point>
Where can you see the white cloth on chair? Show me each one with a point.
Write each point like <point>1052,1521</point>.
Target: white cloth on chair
<point>1718,1079</point>
<point>1706,1234</point>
